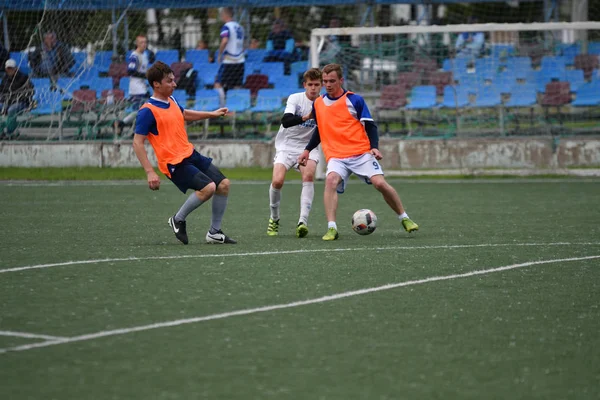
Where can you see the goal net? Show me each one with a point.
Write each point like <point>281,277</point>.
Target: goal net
<point>471,79</point>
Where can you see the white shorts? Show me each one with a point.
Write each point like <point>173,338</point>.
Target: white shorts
<point>364,166</point>
<point>290,158</point>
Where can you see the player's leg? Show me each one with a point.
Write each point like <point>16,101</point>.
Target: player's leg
<point>186,176</point>
<point>393,200</point>
<point>307,194</point>
<point>368,168</point>
<point>335,180</point>
<point>218,86</point>
<point>279,171</point>
<point>219,205</point>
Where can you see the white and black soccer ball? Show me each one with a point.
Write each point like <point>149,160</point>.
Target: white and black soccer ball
<point>364,222</point>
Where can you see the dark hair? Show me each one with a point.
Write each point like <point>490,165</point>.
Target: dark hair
<point>313,74</point>
<point>158,72</point>
<point>228,11</point>
<point>329,68</point>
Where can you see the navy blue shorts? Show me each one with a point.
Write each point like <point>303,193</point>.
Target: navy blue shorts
<point>231,75</point>
<point>195,172</point>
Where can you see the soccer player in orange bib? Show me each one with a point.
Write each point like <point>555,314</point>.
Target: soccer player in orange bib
<point>161,121</point>
<point>350,143</point>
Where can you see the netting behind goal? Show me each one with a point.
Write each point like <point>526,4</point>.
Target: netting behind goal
<point>472,79</point>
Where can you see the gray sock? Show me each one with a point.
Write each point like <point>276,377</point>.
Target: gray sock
<point>190,205</point>
<point>219,204</point>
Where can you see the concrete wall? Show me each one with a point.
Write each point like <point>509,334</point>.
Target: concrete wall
<point>398,154</point>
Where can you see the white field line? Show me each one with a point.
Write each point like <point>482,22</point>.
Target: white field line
<point>317,300</point>
<point>28,335</point>
<point>281,252</point>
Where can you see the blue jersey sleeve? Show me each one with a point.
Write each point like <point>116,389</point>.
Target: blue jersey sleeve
<point>225,31</point>
<point>145,122</point>
<point>132,63</point>
<point>362,111</point>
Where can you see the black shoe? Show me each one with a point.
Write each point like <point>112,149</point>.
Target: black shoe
<point>179,230</point>
<point>219,238</point>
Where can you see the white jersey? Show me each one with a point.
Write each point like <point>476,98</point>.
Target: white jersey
<point>295,138</point>
<point>137,62</point>
<point>234,50</point>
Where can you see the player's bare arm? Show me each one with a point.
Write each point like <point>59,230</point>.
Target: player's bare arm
<point>140,152</point>
<point>222,49</point>
<point>303,158</point>
<point>377,154</point>
<point>193,115</point>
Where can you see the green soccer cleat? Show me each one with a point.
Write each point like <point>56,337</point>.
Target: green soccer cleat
<point>409,225</point>
<point>273,229</point>
<point>331,234</point>
<point>301,230</point>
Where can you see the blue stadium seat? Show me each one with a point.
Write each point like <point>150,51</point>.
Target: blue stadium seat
<point>553,67</point>
<point>455,96</point>
<point>487,96</point>
<point>576,78</point>
<point>238,100</point>
<point>287,82</point>
<point>198,57</point>
<point>68,86</point>
<point>299,67</point>
<point>181,97</point>
<point>102,60</point>
<point>422,97</point>
<point>486,68</point>
<point>268,100</point>
<point>89,74</point>
<point>274,70</point>
<point>47,102</point>
<point>41,84</point>
<point>80,59</point>
<point>100,84</point>
<point>502,51</point>
<point>594,48</point>
<point>524,95</point>
<point>504,81</point>
<point>568,51</point>
<point>22,59</point>
<point>255,55</point>
<point>124,85</point>
<point>167,56</point>
<point>520,66</point>
<point>207,72</point>
<point>588,95</point>
<point>206,100</point>
<point>251,68</point>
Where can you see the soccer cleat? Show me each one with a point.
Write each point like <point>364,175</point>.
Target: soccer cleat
<point>301,230</point>
<point>409,225</point>
<point>219,238</point>
<point>273,229</point>
<point>331,234</point>
<point>179,230</point>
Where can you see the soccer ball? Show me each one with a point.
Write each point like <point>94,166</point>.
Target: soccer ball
<point>364,222</point>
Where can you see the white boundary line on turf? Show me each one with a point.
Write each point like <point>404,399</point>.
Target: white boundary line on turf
<point>301,251</point>
<point>323,299</point>
<point>28,335</point>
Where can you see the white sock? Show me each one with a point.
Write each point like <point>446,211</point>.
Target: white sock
<point>403,215</point>
<point>306,199</point>
<point>221,96</point>
<point>332,224</point>
<point>274,200</point>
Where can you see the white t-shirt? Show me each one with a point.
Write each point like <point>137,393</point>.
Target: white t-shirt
<point>295,138</point>
<point>234,50</point>
<point>137,62</point>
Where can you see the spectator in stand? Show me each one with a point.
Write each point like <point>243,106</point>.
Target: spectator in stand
<point>470,44</point>
<point>52,58</point>
<point>137,65</point>
<point>202,45</point>
<point>231,55</point>
<point>4,56</point>
<point>254,43</point>
<point>16,92</point>
<point>280,45</point>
